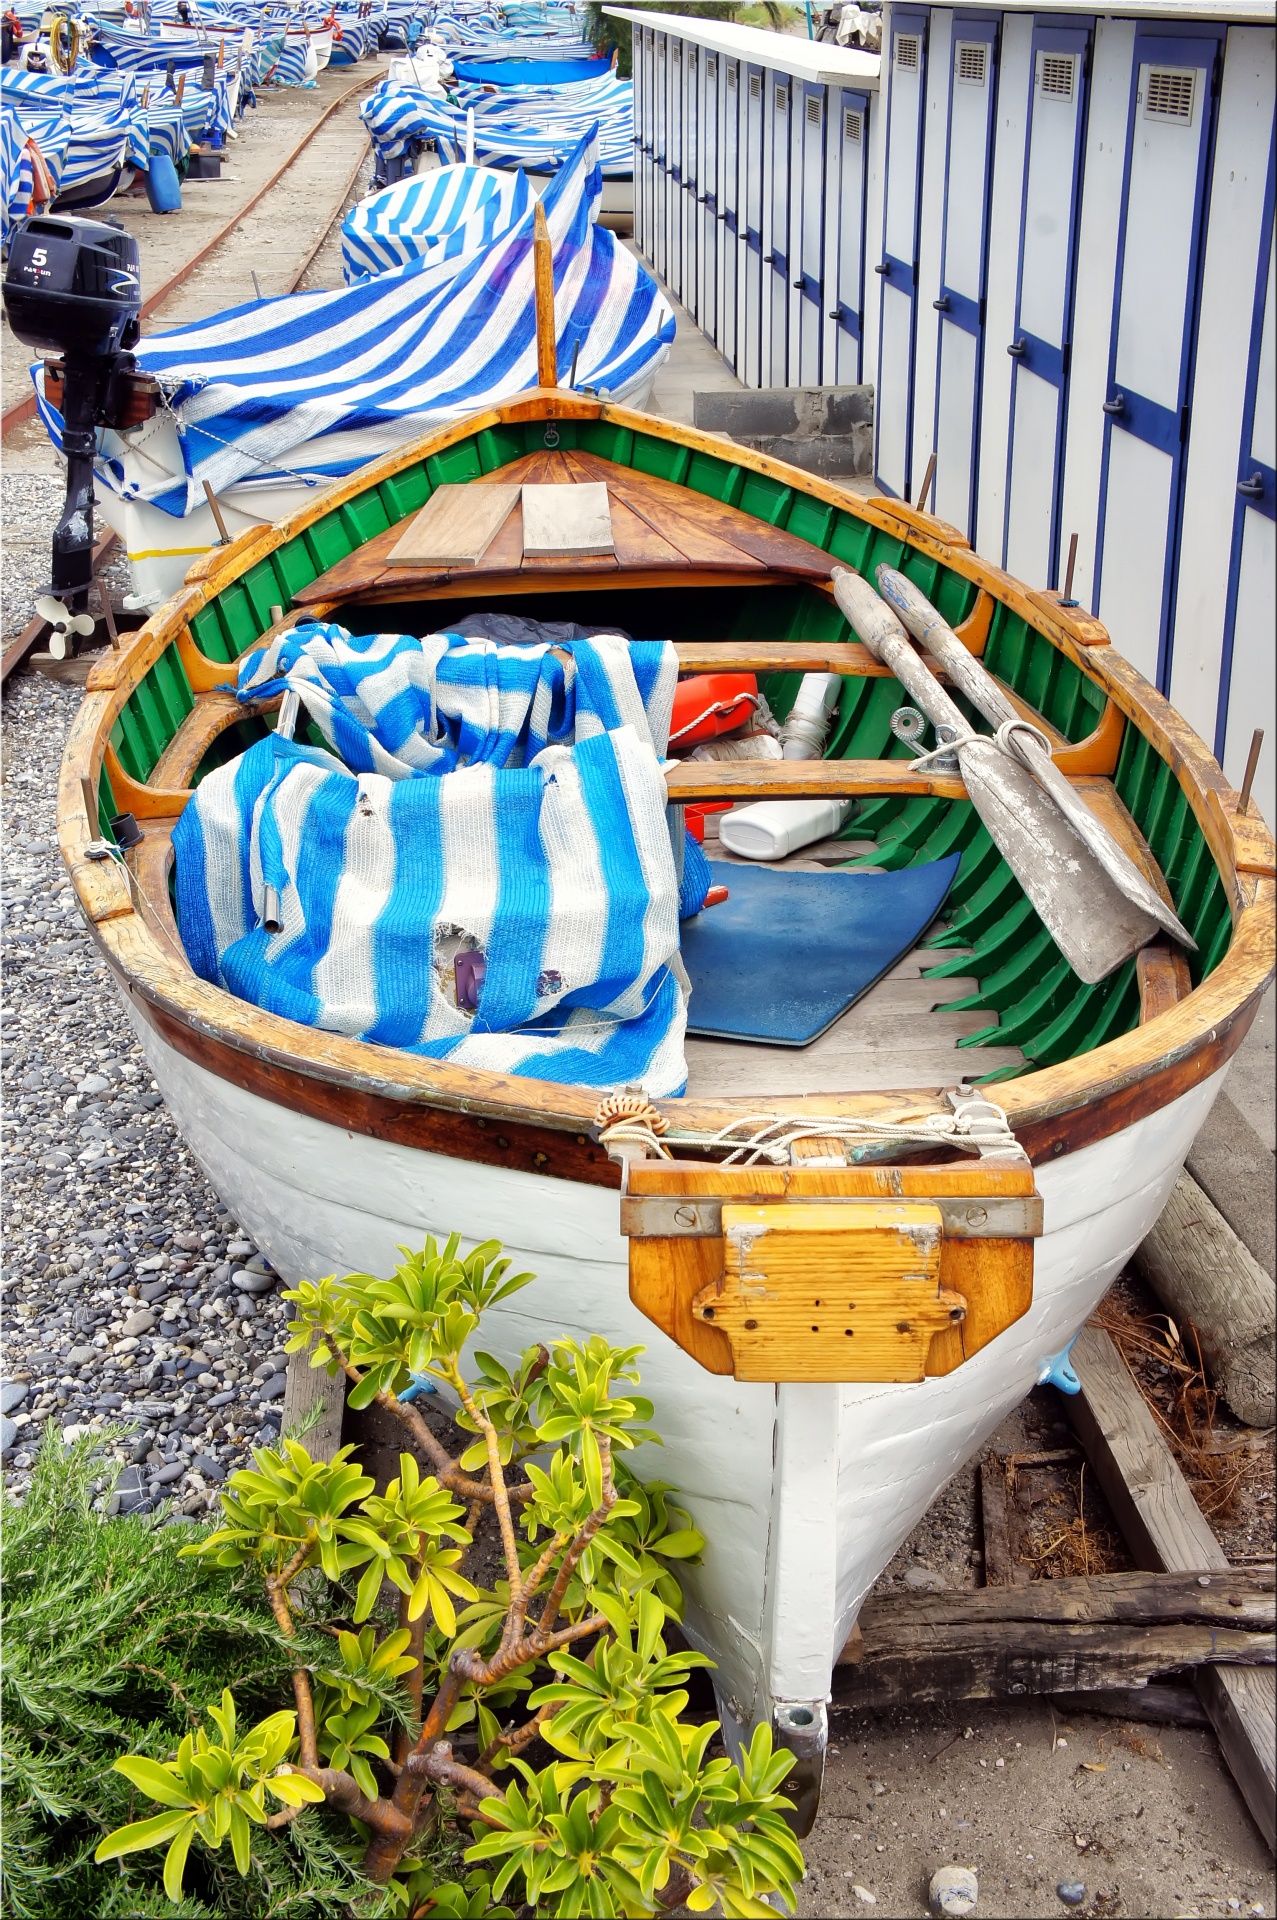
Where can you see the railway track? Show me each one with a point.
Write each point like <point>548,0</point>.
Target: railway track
<point>180,280</point>
<point>17,651</point>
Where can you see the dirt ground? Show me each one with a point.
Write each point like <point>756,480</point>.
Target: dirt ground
<point>1147,1819</point>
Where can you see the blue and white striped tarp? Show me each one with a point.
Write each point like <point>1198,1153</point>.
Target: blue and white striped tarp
<point>559,871</point>
<point>532,127</point>
<point>315,384</point>
<point>441,215</point>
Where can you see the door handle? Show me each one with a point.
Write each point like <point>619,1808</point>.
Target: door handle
<point>942,304</point>
<point>1252,489</point>
<point>1116,405</point>
<point>884,267</point>
<point>768,258</point>
<point>798,285</point>
<point>1018,349</point>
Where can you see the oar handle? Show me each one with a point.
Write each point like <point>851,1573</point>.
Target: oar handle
<point>885,638</point>
<point>944,646</point>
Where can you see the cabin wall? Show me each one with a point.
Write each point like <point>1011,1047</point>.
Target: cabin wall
<point>1127,260</point>
<point>751,180</point>
<point>1050,252</point>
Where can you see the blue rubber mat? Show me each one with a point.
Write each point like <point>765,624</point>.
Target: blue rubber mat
<point>787,953</point>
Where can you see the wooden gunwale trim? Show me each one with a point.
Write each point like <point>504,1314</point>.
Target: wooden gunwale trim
<point>1053,1109</point>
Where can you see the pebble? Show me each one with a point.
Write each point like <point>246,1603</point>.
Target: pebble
<point>249,1282</point>
<point>114,1239</point>
<point>864,1896</point>
<point>926,1580</point>
<point>953,1890</point>
<point>1072,1892</point>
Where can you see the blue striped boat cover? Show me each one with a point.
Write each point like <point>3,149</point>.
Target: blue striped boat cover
<point>388,703</point>
<point>444,214</point>
<point>533,127</point>
<point>559,871</point>
<point>318,383</point>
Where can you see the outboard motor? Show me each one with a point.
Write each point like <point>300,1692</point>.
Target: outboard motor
<point>72,289</point>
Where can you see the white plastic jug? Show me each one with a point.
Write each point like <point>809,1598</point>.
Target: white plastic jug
<point>769,829</point>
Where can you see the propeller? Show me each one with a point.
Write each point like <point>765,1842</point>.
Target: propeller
<point>65,624</point>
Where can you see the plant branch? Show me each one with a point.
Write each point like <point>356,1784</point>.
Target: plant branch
<point>500,1498</point>
<point>414,1679</point>
<point>439,1765</point>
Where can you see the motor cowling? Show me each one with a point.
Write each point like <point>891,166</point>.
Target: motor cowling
<point>74,287</point>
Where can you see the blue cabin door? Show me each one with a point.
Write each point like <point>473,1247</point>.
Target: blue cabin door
<point>845,273</point>
<point>729,217</point>
<point>674,147</point>
<point>808,228</point>
<point>643,141</point>
<point>707,206</point>
<point>1041,343</point>
<point>1150,363</point>
<point>660,162</point>
<point>749,355</point>
<point>963,260</point>
<point>898,267</point>
<point>779,241</point>
<point>1248,684</point>
<point>691,217</point>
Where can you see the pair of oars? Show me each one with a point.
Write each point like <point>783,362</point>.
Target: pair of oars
<point>1095,903</point>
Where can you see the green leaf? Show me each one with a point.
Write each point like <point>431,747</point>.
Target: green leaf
<point>157,1781</point>
<point>175,1861</point>
<point>369,1588</point>
<point>142,1834</point>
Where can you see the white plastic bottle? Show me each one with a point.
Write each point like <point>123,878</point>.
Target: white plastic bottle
<point>770,829</point>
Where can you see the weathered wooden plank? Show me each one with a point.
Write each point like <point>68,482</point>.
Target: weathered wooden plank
<point>1201,1272</point>
<point>1163,978</point>
<point>1001,1568</point>
<point>308,1390</point>
<point>560,523</point>
<point>1238,1597</point>
<point>455,528</point>
<point>1163,1704</point>
<point>1165,1528</point>
<point>985,1660</point>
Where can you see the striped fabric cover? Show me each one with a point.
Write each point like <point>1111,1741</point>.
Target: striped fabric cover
<point>94,136</point>
<point>560,869</point>
<point>533,127</point>
<point>445,214</point>
<point>318,383</point>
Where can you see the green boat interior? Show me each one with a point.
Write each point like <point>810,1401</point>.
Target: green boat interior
<point>997,996</point>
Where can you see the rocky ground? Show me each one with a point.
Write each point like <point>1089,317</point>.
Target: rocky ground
<point>130,1296</point>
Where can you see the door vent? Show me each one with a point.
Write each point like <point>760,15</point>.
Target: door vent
<point>678,50</point>
<point>971,61</point>
<point>813,110</point>
<point>711,66</point>
<point>731,77</point>
<point>1055,75</point>
<point>782,99</point>
<point>1170,93</point>
<point>908,51</point>
<point>755,86</point>
<point>851,125</point>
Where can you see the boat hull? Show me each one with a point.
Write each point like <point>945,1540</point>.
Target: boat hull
<point>804,1492</point>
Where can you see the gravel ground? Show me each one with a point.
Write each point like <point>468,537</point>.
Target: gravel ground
<point>130,1295</point>
<point>30,503</point>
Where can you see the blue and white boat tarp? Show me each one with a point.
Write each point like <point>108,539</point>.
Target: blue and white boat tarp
<point>306,388</point>
<point>529,126</point>
<point>499,802</point>
<point>443,215</point>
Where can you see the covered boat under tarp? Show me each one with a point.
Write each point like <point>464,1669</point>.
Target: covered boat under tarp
<point>267,402</point>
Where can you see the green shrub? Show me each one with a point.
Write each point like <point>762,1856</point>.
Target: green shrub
<point>449,1747</point>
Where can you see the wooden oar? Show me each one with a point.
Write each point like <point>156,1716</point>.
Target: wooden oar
<point>984,693</point>
<point>1091,920</point>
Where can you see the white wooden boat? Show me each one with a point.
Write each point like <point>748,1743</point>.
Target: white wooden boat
<point>805,1470</point>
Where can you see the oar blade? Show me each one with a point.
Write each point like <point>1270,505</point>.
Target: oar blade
<point>1093,923</point>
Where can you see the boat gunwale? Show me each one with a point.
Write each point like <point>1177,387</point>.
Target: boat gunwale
<point>1133,1073</point>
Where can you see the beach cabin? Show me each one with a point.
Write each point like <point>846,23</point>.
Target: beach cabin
<point>1046,240</point>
